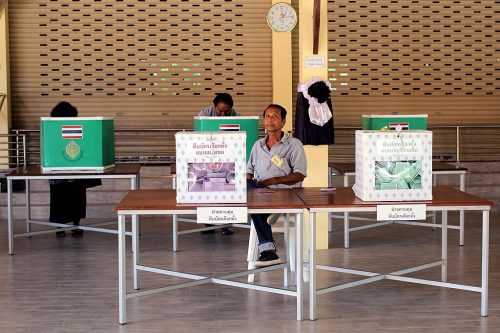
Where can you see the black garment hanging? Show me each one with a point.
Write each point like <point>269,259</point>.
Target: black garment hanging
<point>307,132</point>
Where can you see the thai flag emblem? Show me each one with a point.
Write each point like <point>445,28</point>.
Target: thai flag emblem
<point>72,131</point>
<point>399,126</point>
<point>229,127</point>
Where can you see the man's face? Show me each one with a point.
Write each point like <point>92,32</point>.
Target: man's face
<point>222,109</point>
<point>272,119</point>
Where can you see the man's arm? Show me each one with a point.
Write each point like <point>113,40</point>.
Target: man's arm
<point>298,163</point>
<point>293,178</point>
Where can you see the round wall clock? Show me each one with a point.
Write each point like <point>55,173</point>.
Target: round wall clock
<point>282,17</point>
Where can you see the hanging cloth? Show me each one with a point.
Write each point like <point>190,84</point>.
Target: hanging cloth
<point>319,113</point>
<point>313,113</point>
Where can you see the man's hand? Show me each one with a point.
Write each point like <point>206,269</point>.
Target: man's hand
<point>267,182</point>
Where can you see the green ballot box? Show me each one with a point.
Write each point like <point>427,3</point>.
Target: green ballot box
<point>250,125</point>
<point>77,144</point>
<point>394,122</point>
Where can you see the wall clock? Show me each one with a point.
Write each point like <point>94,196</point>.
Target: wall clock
<point>282,17</point>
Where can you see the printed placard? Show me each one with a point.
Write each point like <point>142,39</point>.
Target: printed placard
<point>221,215</point>
<point>401,212</point>
<point>315,62</point>
<point>211,167</point>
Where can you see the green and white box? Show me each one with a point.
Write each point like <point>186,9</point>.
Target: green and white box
<point>231,124</point>
<point>393,166</point>
<point>77,144</point>
<point>394,122</point>
<point>211,167</point>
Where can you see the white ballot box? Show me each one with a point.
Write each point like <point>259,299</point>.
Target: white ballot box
<point>211,167</point>
<point>393,166</point>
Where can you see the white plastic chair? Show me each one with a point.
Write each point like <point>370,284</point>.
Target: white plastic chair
<point>253,248</point>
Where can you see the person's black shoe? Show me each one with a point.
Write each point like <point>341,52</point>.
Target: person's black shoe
<point>268,258</point>
<point>227,232</point>
<point>60,234</point>
<point>209,231</point>
<point>77,233</point>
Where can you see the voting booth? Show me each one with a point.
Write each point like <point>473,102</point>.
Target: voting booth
<point>211,167</point>
<point>393,166</point>
<point>249,125</point>
<point>77,144</point>
<point>394,122</point>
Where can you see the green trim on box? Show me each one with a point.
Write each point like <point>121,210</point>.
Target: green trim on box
<point>381,122</point>
<point>95,148</point>
<point>248,124</point>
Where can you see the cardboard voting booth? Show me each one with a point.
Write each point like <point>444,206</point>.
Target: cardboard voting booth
<point>211,167</point>
<point>77,144</point>
<point>394,122</point>
<point>393,166</point>
<point>250,125</point>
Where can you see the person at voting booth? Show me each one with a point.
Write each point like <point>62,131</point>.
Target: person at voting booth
<point>223,107</point>
<point>68,198</point>
<point>276,161</point>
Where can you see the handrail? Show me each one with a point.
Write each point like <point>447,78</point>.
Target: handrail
<point>157,145</point>
<point>14,148</point>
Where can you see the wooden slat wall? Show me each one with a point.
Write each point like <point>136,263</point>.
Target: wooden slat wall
<point>437,57</point>
<point>152,64</point>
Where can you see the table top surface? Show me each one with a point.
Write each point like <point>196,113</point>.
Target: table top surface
<point>349,167</point>
<point>296,198</point>
<point>343,197</point>
<point>36,171</point>
<point>262,198</point>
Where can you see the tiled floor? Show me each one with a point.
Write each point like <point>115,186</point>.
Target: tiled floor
<point>70,285</point>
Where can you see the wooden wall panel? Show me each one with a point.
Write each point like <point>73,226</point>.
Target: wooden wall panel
<point>152,64</point>
<point>437,57</point>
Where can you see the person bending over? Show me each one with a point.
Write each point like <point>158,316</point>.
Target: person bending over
<point>68,197</point>
<point>223,107</point>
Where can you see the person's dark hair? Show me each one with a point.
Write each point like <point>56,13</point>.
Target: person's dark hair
<point>276,106</point>
<point>224,98</point>
<point>64,109</point>
<point>319,90</point>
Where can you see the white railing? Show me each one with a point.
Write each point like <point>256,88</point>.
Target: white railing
<point>157,146</point>
<point>450,143</point>
<point>12,150</point>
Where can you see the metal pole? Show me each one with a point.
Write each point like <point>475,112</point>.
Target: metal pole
<point>122,273</point>
<point>484,265</point>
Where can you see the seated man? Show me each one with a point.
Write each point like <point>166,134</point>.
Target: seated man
<point>276,160</point>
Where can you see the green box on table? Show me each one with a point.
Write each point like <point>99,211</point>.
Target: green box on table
<point>394,122</point>
<point>77,144</point>
<point>250,125</point>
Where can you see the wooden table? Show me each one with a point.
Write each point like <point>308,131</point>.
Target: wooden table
<point>445,198</point>
<point>177,219</point>
<point>347,169</point>
<point>34,172</point>
<point>163,202</point>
